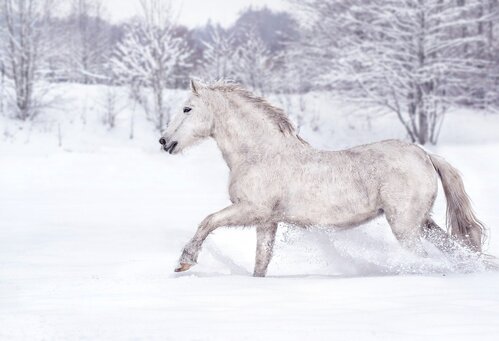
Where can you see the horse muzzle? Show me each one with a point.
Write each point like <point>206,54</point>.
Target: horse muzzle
<point>170,148</point>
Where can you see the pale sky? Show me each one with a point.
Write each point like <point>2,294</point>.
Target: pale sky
<point>195,12</point>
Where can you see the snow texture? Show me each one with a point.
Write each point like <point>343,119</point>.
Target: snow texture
<point>90,233</point>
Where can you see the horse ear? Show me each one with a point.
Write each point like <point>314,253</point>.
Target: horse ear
<point>194,87</point>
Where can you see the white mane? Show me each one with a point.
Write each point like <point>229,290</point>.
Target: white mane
<point>276,115</point>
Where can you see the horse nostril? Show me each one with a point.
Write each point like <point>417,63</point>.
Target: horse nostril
<point>162,141</point>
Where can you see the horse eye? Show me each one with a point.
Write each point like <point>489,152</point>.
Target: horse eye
<point>187,109</point>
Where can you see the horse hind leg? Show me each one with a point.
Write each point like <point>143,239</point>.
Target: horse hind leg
<point>438,236</point>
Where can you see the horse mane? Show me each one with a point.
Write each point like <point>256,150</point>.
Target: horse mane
<point>275,114</point>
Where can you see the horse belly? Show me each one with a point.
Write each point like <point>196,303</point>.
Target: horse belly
<point>329,205</point>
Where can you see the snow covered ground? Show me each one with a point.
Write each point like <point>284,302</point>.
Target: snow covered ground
<point>91,230</point>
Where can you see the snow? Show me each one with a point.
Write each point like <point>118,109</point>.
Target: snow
<point>90,233</point>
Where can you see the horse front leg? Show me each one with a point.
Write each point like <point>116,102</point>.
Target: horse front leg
<point>234,215</point>
<point>265,237</point>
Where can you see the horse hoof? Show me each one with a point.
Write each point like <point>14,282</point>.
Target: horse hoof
<point>183,267</point>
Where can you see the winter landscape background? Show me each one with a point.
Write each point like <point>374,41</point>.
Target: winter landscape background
<point>93,215</point>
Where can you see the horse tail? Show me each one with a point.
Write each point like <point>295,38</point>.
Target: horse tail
<point>461,220</point>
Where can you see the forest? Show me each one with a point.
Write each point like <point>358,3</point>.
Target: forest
<point>413,59</point>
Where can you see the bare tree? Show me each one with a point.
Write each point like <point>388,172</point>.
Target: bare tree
<point>112,107</point>
<point>24,49</point>
<point>88,42</point>
<point>148,56</point>
<point>2,88</point>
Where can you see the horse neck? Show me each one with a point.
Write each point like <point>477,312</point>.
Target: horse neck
<point>244,135</point>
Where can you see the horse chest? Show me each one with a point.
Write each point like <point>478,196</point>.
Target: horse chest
<point>255,184</point>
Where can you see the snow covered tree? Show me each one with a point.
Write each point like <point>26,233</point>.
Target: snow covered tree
<point>218,54</point>
<point>3,76</point>
<point>23,51</point>
<point>148,56</point>
<point>491,30</point>
<point>402,55</point>
<point>254,63</point>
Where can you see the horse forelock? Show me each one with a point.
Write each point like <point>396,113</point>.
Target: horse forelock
<point>276,115</point>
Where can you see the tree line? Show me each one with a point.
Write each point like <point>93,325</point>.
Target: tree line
<point>414,58</point>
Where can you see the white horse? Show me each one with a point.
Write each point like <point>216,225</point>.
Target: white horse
<point>275,176</point>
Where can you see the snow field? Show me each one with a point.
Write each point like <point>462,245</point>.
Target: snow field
<point>90,233</point>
